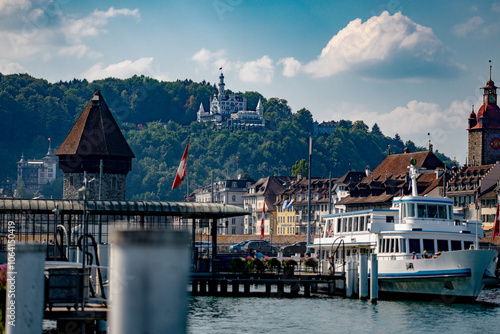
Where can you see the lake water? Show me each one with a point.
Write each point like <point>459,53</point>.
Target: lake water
<point>339,315</point>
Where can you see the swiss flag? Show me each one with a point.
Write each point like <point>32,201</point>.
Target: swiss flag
<point>495,226</point>
<point>262,221</point>
<point>181,171</point>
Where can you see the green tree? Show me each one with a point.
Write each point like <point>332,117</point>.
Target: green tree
<point>376,130</point>
<point>21,191</point>
<point>304,119</point>
<point>301,167</point>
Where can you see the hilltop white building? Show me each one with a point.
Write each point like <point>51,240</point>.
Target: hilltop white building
<point>35,173</point>
<point>231,109</point>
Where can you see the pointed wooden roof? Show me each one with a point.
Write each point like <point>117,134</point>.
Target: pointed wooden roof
<point>96,133</point>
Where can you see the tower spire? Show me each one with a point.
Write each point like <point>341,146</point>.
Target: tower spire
<point>490,68</point>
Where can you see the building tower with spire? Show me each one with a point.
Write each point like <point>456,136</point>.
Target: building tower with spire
<point>230,109</point>
<point>95,144</point>
<point>484,129</point>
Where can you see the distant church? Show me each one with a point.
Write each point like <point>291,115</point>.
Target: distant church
<point>95,145</point>
<point>484,129</point>
<point>231,110</point>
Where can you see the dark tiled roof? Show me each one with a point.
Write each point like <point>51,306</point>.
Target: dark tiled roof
<point>96,133</point>
<point>396,165</point>
<point>351,177</point>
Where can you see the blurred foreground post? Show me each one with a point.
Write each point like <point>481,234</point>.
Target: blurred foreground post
<point>149,276</point>
<point>25,289</point>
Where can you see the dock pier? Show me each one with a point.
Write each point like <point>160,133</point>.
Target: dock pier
<point>267,285</point>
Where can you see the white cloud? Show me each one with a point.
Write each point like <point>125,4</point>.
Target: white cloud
<point>79,51</point>
<point>10,6</point>
<point>8,67</point>
<point>414,121</point>
<point>385,46</point>
<point>291,66</point>
<point>470,26</point>
<point>496,7</point>
<point>207,58</point>
<point>260,70</point>
<point>93,24</point>
<point>124,69</point>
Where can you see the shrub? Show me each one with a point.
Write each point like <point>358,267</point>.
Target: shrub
<point>289,265</point>
<point>274,265</point>
<point>311,263</point>
<point>237,265</point>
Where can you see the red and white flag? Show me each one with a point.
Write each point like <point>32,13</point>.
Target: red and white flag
<point>181,171</point>
<point>496,225</point>
<point>262,221</point>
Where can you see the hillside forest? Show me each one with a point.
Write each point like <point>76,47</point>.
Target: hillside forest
<point>157,117</point>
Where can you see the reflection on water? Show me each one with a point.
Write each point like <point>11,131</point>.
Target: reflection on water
<point>335,315</point>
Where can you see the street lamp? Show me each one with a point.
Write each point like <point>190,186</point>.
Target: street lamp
<point>84,190</point>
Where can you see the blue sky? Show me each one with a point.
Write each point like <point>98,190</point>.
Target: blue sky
<point>413,67</point>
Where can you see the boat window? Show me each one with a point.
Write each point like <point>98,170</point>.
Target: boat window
<point>397,245</point>
<point>367,221</point>
<point>422,212</point>
<point>391,249</point>
<point>349,226</point>
<point>387,250</point>
<point>442,245</point>
<point>362,223</point>
<point>414,245</point>
<point>404,209</point>
<point>344,224</point>
<point>339,226</point>
<point>380,245</point>
<point>403,245</point>
<point>429,245</point>
<point>411,209</point>
<point>456,245</point>
<point>432,211</point>
<point>356,226</point>
<point>442,211</point>
<point>389,219</point>
<point>450,211</point>
<point>467,244</point>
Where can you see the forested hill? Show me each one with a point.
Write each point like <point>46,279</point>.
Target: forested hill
<point>157,118</point>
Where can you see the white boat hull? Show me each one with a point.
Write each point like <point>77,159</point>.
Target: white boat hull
<point>452,276</point>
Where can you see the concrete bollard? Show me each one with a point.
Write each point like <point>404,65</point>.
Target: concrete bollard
<point>25,289</point>
<point>374,279</point>
<point>149,276</point>
<point>363,276</point>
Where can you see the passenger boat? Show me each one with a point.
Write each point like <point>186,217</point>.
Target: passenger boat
<point>423,249</point>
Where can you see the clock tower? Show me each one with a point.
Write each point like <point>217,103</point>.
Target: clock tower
<point>484,129</point>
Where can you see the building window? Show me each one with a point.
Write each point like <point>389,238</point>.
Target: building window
<point>234,198</point>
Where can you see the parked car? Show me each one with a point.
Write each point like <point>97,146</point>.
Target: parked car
<point>238,248</point>
<point>298,247</point>
<point>262,246</point>
<point>203,247</point>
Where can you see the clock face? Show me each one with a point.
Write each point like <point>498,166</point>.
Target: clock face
<point>492,99</point>
<point>494,142</point>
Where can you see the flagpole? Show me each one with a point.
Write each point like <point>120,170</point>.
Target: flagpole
<point>187,178</point>
<point>477,216</point>
<point>309,196</point>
